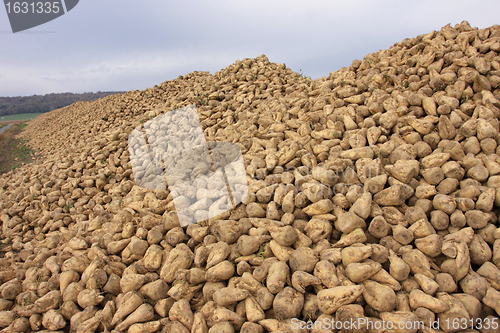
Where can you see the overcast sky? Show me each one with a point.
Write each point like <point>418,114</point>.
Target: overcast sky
<point>121,45</point>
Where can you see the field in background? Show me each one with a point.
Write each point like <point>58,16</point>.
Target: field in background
<point>16,117</point>
<point>14,152</point>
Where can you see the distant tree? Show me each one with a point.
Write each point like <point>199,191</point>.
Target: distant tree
<point>46,103</point>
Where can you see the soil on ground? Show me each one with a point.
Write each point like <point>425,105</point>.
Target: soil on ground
<point>7,122</point>
<point>14,151</point>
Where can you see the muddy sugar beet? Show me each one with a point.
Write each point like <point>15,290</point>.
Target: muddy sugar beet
<point>372,194</point>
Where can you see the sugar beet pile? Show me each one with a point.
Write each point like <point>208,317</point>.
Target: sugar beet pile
<point>373,193</point>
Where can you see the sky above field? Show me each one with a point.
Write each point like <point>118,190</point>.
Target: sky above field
<point>121,45</point>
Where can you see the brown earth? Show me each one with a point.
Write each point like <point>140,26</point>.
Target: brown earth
<point>13,150</point>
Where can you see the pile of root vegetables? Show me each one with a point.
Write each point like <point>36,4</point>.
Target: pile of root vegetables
<point>373,194</point>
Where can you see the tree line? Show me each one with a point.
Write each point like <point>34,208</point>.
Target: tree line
<point>46,103</point>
